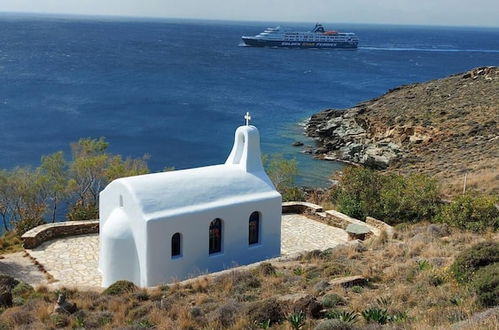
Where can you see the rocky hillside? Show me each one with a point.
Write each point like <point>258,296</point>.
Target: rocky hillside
<point>445,127</point>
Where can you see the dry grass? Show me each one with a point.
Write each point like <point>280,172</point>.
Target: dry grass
<point>482,178</point>
<point>10,243</point>
<point>410,274</point>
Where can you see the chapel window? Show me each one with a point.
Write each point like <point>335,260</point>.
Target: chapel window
<point>176,244</point>
<point>216,236</point>
<point>254,228</point>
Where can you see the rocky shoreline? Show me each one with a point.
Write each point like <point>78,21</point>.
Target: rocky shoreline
<point>444,127</point>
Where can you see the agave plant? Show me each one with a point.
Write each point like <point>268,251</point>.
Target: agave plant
<point>423,264</point>
<point>376,314</point>
<point>264,325</point>
<point>348,317</point>
<point>297,320</point>
<point>383,302</point>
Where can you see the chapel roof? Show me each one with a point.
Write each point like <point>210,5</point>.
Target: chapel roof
<point>185,191</point>
<point>241,179</point>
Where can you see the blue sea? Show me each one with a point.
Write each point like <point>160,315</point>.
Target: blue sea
<point>177,90</point>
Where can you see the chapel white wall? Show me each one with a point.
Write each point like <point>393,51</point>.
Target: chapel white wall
<point>194,228</point>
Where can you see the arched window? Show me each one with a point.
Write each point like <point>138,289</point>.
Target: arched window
<point>216,236</point>
<point>176,245</point>
<point>254,228</point>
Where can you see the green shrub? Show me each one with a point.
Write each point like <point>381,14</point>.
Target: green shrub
<point>23,290</point>
<point>409,198</point>
<point>358,192</point>
<point>10,242</point>
<point>486,285</point>
<point>282,172</point>
<point>357,289</point>
<point>83,212</point>
<point>474,258</point>
<point>120,287</point>
<point>332,300</point>
<point>333,325</point>
<point>394,198</point>
<point>27,224</point>
<point>469,212</point>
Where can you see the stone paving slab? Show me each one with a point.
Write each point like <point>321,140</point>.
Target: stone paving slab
<point>72,261</point>
<point>300,234</point>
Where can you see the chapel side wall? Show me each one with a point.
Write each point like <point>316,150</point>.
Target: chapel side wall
<point>194,229</point>
<point>110,200</point>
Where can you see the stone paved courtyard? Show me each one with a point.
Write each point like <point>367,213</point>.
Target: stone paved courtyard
<point>72,261</point>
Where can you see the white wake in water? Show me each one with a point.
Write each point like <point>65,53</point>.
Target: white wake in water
<point>454,50</point>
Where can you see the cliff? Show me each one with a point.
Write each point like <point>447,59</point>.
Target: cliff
<point>445,127</point>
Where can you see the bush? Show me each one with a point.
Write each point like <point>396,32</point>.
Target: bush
<point>265,310</point>
<point>282,173</point>
<point>332,300</point>
<point>25,225</point>
<point>120,287</point>
<point>333,325</point>
<point>83,212</point>
<point>394,198</point>
<point>266,269</point>
<point>474,258</point>
<point>469,212</point>
<point>23,290</point>
<point>225,314</point>
<point>10,242</point>
<point>486,285</point>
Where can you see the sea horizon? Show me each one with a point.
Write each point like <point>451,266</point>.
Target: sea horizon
<point>126,18</point>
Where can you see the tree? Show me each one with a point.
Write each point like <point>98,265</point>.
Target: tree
<point>5,198</point>
<point>282,172</point>
<point>91,169</point>
<point>54,175</point>
<point>27,199</point>
<point>87,169</point>
<point>119,168</point>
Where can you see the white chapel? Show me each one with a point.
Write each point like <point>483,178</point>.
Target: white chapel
<point>162,227</point>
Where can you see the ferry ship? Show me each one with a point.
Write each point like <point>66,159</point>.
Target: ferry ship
<point>317,38</point>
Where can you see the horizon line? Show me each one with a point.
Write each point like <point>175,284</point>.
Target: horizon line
<point>125,17</point>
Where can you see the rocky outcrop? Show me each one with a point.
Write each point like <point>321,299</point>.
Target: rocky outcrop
<point>341,135</point>
<point>442,127</point>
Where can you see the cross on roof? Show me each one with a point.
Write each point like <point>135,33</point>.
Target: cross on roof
<point>248,118</point>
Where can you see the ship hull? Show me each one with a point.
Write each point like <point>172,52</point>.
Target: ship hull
<point>254,42</point>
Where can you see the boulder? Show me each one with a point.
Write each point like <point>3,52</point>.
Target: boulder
<point>64,307</point>
<point>321,286</point>
<point>356,231</point>
<point>309,306</point>
<point>349,281</point>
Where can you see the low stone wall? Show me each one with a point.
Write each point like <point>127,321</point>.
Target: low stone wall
<point>300,207</point>
<point>335,218</point>
<point>40,234</point>
<point>380,225</point>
